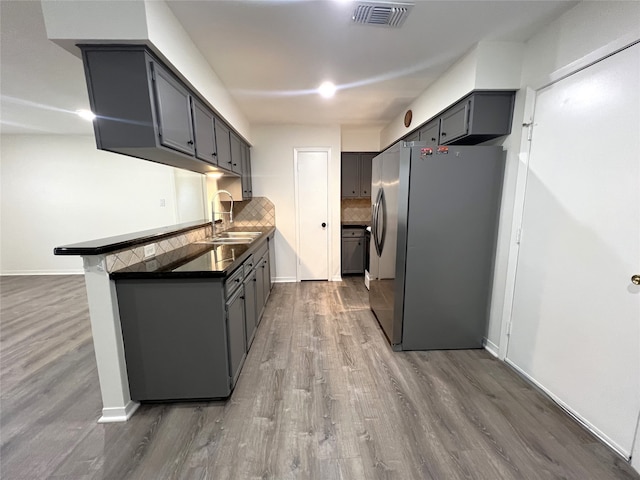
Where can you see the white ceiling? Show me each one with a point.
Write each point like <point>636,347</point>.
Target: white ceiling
<point>271,55</point>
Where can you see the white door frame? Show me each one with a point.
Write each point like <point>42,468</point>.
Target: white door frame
<point>326,150</point>
<point>523,170</point>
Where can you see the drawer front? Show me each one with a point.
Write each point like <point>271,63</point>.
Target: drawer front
<point>233,282</point>
<point>248,265</point>
<point>261,253</point>
<point>352,232</point>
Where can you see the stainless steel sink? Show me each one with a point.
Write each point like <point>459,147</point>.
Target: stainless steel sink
<point>238,234</point>
<point>231,238</point>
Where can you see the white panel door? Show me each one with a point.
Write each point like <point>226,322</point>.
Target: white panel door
<point>576,314</point>
<point>312,213</point>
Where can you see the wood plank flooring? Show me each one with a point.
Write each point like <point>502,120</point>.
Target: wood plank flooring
<point>321,396</point>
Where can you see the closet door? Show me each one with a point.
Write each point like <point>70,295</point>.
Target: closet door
<point>576,314</point>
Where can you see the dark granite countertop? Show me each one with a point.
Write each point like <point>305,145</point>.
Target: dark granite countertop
<point>197,260</point>
<point>119,242</point>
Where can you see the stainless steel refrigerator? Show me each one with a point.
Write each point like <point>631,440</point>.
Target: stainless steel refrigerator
<point>434,228</point>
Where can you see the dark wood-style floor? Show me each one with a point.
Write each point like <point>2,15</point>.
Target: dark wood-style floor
<point>321,396</point>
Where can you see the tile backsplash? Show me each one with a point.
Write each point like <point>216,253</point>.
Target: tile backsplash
<point>257,212</point>
<point>129,256</point>
<point>355,210</point>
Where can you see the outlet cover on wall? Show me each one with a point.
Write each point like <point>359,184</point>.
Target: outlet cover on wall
<point>149,250</point>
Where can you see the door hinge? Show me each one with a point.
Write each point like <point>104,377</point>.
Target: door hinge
<point>518,236</point>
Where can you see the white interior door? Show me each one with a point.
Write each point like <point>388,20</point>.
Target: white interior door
<point>576,314</point>
<point>312,214</point>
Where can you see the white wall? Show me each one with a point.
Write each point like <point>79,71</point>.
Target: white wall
<point>58,190</point>
<point>273,177</point>
<point>360,139</point>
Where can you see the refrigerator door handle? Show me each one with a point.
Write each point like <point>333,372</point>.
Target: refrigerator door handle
<point>382,205</point>
<point>376,213</point>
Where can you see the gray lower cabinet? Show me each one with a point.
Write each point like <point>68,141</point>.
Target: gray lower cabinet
<point>250,303</point>
<point>353,244</point>
<point>175,338</point>
<point>187,339</point>
<point>236,336</point>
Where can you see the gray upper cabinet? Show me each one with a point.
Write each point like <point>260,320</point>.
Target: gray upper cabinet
<point>247,184</point>
<point>479,117</point>
<point>236,154</point>
<point>223,144</point>
<point>174,111</point>
<point>356,174</point>
<point>144,110</point>
<point>366,160</point>
<point>430,132</point>
<point>350,175</point>
<point>203,125</point>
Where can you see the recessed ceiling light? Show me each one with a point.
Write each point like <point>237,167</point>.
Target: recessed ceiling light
<point>86,114</point>
<point>327,89</point>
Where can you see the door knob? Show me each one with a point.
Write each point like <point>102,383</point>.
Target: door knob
<point>635,279</point>
<point>324,224</point>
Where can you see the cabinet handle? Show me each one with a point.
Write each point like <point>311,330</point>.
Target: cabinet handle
<point>443,134</point>
<point>235,164</point>
<point>190,142</point>
<point>433,139</point>
<point>214,154</point>
<point>229,161</point>
<point>242,297</point>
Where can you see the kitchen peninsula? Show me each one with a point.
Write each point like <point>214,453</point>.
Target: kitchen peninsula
<point>173,313</point>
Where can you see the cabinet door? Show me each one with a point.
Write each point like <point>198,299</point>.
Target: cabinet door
<point>350,175</point>
<point>247,186</point>
<point>353,255</point>
<point>366,160</point>
<point>236,154</point>
<point>266,275</point>
<point>174,111</point>
<point>260,290</point>
<point>250,312</point>
<point>414,137</point>
<point>430,133</point>
<point>236,338</point>
<point>223,144</point>
<point>204,131</point>
<point>454,122</point>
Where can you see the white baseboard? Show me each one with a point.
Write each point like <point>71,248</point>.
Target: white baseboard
<point>491,347</point>
<point>118,414</point>
<point>582,421</point>
<point>15,273</point>
<point>336,278</point>
<point>284,279</point>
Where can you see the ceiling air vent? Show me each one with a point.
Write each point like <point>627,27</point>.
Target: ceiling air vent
<point>386,14</point>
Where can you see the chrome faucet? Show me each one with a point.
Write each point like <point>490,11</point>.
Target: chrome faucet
<point>213,209</point>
